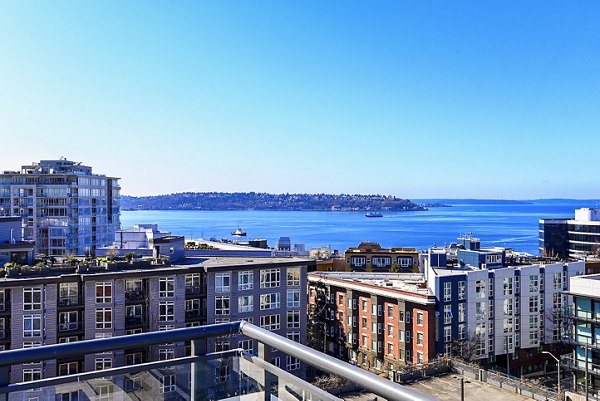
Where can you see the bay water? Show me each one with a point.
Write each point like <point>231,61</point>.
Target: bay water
<point>508,224</point>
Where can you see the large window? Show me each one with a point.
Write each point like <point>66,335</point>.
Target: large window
<point>294,336</point>
<point>103,318</point>
<point>103,293</point>
<point>292,363</point>
<point>447,314</point>
<point>447,291</point>
<point>533,304</point>
<point>167,383</point>
<point>293,319</point>
<point>533,283</point>
<point>293,298</point>
<point>192,282</point>
<point>164,354</point>
<point>68,294</point>
<point>32,374</point>
<point>245,280</point>
<point>32,326</point>
<point>166,311</point>
<point>461,312</point>
<point>461,290</point>
<point>269,278</point>
<point>420,318</point>
<point>166,287</point>
<point>222,281</point>
<point>32,298</point>
<point>68,321</point>
<point>293,276</point>
<point>222,305</point>
<point>103,363</point>
<point>269,301</point>
<point>270,322</point>
<point>69,368</point>
<point>245,303</point>
<point>507,283</point>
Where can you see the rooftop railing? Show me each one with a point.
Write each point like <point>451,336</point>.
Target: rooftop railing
<point>225,375</point>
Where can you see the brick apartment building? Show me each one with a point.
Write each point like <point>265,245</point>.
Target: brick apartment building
<point>380,321</point>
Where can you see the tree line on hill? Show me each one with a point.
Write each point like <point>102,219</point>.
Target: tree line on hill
<point>265,201</point>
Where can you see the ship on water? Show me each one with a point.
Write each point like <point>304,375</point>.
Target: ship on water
<point>373,214</point>
<point>239,233</point>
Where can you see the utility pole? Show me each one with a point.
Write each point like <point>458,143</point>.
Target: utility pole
<point>558,368</point>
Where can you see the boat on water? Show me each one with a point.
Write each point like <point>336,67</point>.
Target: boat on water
<point>238,233</point>
<point>373,214</point>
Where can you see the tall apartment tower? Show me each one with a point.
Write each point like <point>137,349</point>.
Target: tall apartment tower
<point>64,206</point>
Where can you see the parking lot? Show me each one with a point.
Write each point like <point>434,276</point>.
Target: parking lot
<point>447,388</point>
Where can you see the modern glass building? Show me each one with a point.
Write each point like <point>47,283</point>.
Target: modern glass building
<point>64,206</point>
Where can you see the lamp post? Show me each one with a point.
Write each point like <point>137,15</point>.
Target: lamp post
<point>558,368</point>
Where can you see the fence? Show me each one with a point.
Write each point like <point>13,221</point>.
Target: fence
<point>501,380</point>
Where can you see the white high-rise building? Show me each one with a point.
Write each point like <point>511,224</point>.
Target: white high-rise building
<point>64,206</point>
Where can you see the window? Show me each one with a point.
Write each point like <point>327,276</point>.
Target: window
<point>245,303</point>
<point>533,304</point>
<point>420,337</point>
<point>292,363</point>
<point>293,276</point>
<point>507,283</point>
<point>461,312</point>
<point>390,348</point>
<point>70,339</point>
<point>245,280</point>
<point>448,333</point>
<point>32,298</point>
<point>222,305</point>
<point>164,354</point>
<point>269,301</point>
<point>533,337</point>
<point>447,291</point>
<point>192,282</point>
<point>294,336</point>
<point>222,374</point>
<point>461,290</point>
<point>401,316</point>
<point>381,261</point>
<point>480,310</point>
<point>192,306</point>
<point>480,291</point>
<point>390,330</point>
<point>420,357</point>
<point>103,293</point>
<point>222,282</point>
<point>247,345</point>
<point>293,298</point>
<point>103,318</point>
<point>167,383</point>
<point>133,285</point>
<point>69,368</point>
<point>68,294</point>
<point>68,321</point>
<point>166,311</point>
<point>447,314</point>
<point>508,307</point>
<point>32,374</point>
<point>556,279</point>
<point>134,358</point>
<point>293,319</point>
<point>420,318</point>
<point>166,287</point>
<point>390,311</point>
<point>401,335</point>
<point>461,331</point>
<point>270,322</point>
<point>533,283</point>
<point>363,323</point>
<point>32,326</point>
<point>269,278</point>
<point>358,261</point>
<point>103,363</point>
<point>363,303</point>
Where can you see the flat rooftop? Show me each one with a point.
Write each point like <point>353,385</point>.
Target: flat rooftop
<point>406,282</point>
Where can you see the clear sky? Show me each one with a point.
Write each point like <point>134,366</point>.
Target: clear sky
<point>417,99</point>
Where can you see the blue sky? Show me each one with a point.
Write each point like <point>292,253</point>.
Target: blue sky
<point>416,99</point>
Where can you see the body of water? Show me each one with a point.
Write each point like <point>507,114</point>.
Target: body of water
<point>512,225</point>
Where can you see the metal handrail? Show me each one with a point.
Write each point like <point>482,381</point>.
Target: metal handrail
<point>367,380</point>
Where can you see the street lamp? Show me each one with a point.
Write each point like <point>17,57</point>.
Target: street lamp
<point>558,366</point>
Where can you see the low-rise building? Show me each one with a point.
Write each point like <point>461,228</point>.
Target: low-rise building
<point>379,321</point>
<point>12,247</point>
<point>371,257</point>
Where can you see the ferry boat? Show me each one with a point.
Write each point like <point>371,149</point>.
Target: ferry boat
<point>373,214</point>
<point>238,233</point>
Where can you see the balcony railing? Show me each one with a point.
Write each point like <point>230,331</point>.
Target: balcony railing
<point>136,319</point>
<point>192,290</point>
<point>68,301</point>
<point>135,295</point>
<point>219,375</point>
<point>69,326</point>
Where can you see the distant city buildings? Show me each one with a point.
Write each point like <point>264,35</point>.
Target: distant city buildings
<point>66,209</point>
<point>575,238</point>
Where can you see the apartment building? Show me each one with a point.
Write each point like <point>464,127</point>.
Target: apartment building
<point>575,238</point>
<point>379,321</point>
<point>495,314</point>
<point>65,207</point>
<point>371,257</point>
<point>49,305</point>
<point>12,247</point>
